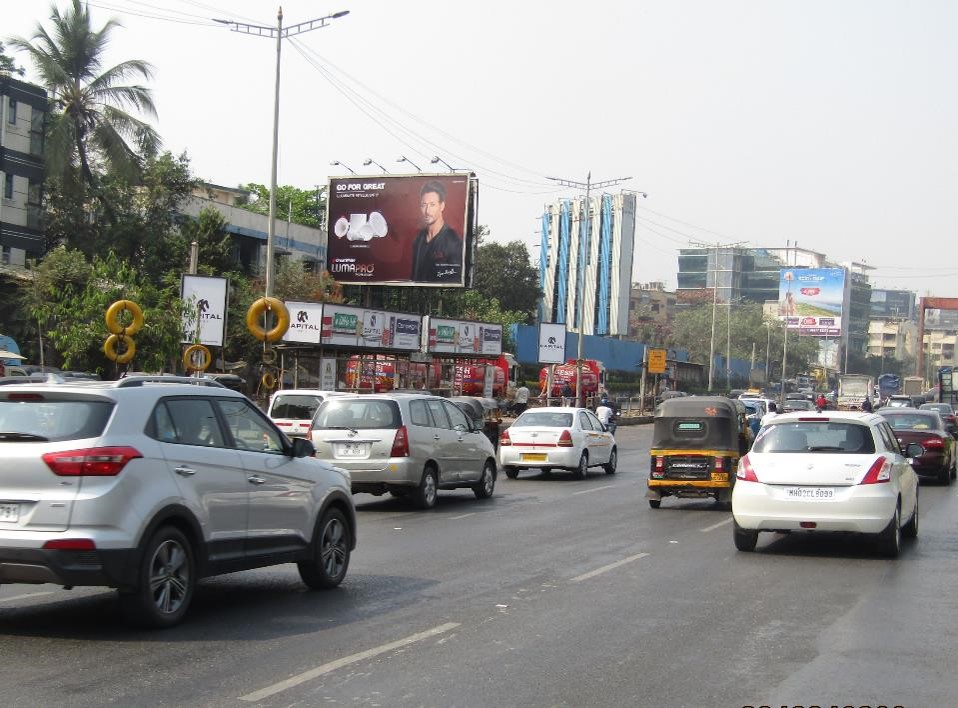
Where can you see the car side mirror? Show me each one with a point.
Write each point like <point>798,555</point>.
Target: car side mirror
<point>913,450</point>
<point>302,448</point>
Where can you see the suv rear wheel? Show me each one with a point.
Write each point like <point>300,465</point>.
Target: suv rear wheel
<point>487,483</point>
<point>167,579</point>
<point>330,553</point>
<point>425,493</point>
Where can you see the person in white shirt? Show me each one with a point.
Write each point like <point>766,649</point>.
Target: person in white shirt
<point>605,413</point>
<point>522,399</point>
<point>772,412</point>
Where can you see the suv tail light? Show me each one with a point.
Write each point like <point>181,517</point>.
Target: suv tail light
<point>565,439</point>
<point>504,439</point>
<point>400,443</point>
<point>92,462</point>
<point>745,471</point>
<point>879,472</point>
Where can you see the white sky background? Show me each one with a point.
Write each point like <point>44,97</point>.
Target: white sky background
<point>833,123</point>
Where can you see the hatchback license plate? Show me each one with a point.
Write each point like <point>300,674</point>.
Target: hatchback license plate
<point>351,450</point>
<point>533,457</point>
<point>10,512</point>
<point>809,493</point>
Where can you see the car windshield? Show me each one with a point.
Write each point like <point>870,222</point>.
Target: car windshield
<point>297,407</point>
<point>940,407</point>
<point>798,405</point>
<point>816,436</point>
<point>43,419</point>
<point>912,421</point>
<point>544,419</point>
<point>358,414</point>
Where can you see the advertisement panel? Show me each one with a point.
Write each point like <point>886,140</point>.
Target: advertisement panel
<point>551,343</point>
<point>398,229</point>
<point>810,300</point>
<point>462,337</point>
<point>305,322</point>
<point>657,361</point>
<point>347,326</point>
<point>205,299</point>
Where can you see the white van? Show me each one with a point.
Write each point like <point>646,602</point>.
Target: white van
<point>293,409</point>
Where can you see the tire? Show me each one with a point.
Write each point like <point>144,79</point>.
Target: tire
<point>655,503</point>
<point>425,494</point>
<point>330,559</point>
<point>889,540</point>
<point>910,530</point>
<point>511,472</point>
<point>745,540</point>
<point>944,476</point>
<point>613,461</point>
<point>487,484</point>
<point>582,471</point>
<point>954,468</point>
<point>166,581</point>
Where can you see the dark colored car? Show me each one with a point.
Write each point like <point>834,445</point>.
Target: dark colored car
<point>947,414</point>
<point>926,428</point>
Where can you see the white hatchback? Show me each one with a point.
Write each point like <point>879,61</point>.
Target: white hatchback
<point>293,409</point>
<point>567,438</point>
<point>826,472</point>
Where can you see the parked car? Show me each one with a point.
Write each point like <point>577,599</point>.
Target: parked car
<point>938,457</point>
<point>554,437</point>
<point>406,444</point>
<point>147,484</point>
<point>293,409</point>
<point>947,414</point>
<point>792,405</point>
<point>831,472</point>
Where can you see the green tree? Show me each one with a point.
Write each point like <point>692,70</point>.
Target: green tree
<point>91,122</point>
<point>7,65</point>
<point>215,245</point>
<point>301,206</point>
<point>504,272</point>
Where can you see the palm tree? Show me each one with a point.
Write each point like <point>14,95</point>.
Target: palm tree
<point>89,121</point>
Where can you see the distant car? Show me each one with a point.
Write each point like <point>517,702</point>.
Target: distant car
<point>938,458</point>
<point>947,414</point>
<point>564,438</point>
<point>833,472</point>
<point>899,402</point>
<point>797,405</point>
<point>293,409</point>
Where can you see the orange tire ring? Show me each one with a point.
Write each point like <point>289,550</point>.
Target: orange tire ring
<point>268,381</point>
<point>110,348</point>
<point>255,315</point>
<point>207,358</point>
<point>113,317</point>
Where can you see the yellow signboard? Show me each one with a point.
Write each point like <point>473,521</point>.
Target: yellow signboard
<point>656,361</point>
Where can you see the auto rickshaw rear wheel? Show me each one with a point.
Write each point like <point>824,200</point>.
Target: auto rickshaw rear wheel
<point>655,503</point>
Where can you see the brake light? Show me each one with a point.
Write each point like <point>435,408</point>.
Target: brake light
<point>93,462</point>
<point>813,420</point>
<point>70,544</point>
<point>400,443</point>
<point>879,472</point>
<point>565,439</point>
<point>937,443</point>
<point>25,397</point>
<point>504,439</point>
<point>745,471</point>
<point>659,463</point>
<point>719,464</point>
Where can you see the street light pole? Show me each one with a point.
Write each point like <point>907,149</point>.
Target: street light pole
<point>583,245</point>
<point>370,161</point>
<point>280,33</point>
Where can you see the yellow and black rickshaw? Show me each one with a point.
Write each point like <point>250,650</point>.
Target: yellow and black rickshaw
<point>696,444</point>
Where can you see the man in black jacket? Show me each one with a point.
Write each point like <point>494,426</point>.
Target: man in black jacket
<point>437,250</point>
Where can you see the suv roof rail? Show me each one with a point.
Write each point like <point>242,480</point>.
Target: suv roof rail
<point>32,379</point>
<point>139,380</point>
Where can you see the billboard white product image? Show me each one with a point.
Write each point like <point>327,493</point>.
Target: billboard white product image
<point>551,343</point>
<point>206,301</point>
<point>305,322</point>
<point>810,300</point>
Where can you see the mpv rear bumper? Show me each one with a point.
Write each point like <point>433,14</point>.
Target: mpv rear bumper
<point>111,568</point>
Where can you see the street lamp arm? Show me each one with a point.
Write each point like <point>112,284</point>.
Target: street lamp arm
<point>312,24</point>
<point>292,30</point>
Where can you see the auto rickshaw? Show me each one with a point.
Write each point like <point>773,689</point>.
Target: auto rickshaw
<point>484,412</point>
<point>696,445</point>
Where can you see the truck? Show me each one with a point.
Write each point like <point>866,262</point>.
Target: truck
<point>913,385</point>
<point>853,389</point>
<point>593,377</point>
<point>889,385</point>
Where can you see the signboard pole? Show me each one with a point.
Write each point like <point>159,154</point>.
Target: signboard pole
<point>643,364</point>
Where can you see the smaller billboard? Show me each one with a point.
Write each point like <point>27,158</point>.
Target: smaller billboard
<point>346,326</point>
<point>551,343</point>
<point>305,322</point>
<point>442,336</point>
<point>205,299</point>
<point>810,300</point>
<point>657,363</point>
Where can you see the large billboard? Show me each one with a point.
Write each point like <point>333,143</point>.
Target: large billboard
<point>399,229</point>
<point>810,300</point>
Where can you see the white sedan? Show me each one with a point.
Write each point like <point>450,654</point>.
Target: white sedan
<point>826,472</point>
<point>548,438</point>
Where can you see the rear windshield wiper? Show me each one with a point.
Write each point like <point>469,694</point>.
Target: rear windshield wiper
<point>341,427</point>
<point>821,448</point>
<point>22,436</point>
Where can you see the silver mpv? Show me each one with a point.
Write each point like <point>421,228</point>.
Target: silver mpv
<point>406,444</point>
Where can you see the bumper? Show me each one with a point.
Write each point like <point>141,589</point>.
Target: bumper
<point>111,568</point>
<point>396,472</point>
<point>859,509</point>
<point>512,456</point>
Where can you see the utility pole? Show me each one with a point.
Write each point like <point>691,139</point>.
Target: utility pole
<point>583,246</point>
<point>280,33</point>
<point>715,251</point>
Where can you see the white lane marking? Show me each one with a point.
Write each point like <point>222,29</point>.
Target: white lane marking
<point>595,489</point>
<point>463,516</point>
<point>24,597</point>
<point>345,661</point>
<point>607,568</point>
<point>715,526</point>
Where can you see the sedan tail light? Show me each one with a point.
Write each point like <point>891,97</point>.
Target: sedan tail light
<point>565,439</point>
<point>879,472</point>
<point>92,462</point>
<point>933,443</point>
<point>504,439</point>
<point>745,471</point>
<point>400,443</point>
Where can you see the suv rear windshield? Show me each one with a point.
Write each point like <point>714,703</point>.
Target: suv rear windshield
<point>358,414</point>
<point>297,407</point>
<point>807,436</point>
<point>53,420</point>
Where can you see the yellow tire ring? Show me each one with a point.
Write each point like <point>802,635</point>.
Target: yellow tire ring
<point>188,357</point>
<point>256,312</point>
<point>113,317</point>
<point>269,356</point>
<point>110,345</point>
<point>268,381</point>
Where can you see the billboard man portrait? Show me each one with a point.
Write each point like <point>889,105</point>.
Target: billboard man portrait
<point>437,250</point>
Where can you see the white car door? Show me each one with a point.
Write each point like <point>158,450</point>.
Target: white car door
<point>594,438</point>
<point>469,455</point>
<point>903,471</point>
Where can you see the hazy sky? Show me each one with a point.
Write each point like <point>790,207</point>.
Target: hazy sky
<point>833,123</point>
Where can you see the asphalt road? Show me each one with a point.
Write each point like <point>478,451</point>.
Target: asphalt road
<point>555,592</point>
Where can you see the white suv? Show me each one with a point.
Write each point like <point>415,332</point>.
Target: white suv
<point>149,483</point>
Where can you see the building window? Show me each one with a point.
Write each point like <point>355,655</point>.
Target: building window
<point>12,112</point>
<point>8,186</point>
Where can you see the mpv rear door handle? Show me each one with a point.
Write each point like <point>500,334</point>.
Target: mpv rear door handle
<point>256,480</point>
<point>184,471</point>
<point>436,437</point>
